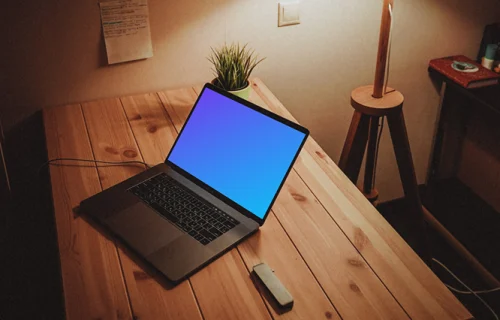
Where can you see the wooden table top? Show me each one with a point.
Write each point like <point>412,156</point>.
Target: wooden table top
<point>338,257</point>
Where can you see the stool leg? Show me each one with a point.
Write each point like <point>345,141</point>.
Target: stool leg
<point>368,186</point>
<point>402,150</point>
<point>354,146</point>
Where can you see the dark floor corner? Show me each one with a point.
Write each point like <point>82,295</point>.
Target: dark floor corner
<point>472,223</point>
<point>31,276</point>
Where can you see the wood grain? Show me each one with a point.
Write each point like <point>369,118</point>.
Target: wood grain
<point>225,291</point>
<point>113,140</point>
<point>413,284</point>
<point>272,245</point>
<point>92,280</point>
<point>351,285</point>
<point>183,100</point>
<point>151,126</point>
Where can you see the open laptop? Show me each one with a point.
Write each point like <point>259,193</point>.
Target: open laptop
<point>216,187</point>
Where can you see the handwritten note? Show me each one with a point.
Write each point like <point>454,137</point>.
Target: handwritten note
<point>125,24</point>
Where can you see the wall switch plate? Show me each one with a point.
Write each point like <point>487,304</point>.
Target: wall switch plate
<point>288,13</point>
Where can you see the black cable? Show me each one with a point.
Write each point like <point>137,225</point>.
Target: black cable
<point>108,163</point>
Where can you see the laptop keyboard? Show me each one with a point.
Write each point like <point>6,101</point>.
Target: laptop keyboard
<point>184,208</point>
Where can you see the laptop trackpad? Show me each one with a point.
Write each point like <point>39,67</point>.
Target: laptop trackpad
<point>143,229</point>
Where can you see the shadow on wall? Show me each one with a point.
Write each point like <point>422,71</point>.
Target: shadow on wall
<point>56,51</point>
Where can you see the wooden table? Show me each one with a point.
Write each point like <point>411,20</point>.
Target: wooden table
<point>334,252</point>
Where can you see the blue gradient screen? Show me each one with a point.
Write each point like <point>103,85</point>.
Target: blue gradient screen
<point>240,152</point>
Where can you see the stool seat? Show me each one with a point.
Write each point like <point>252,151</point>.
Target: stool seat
<point>363,101</point>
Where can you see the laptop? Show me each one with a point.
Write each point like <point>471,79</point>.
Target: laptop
<point>215,188</point>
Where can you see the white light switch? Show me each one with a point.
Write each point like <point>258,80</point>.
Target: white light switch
<point>288,13</point>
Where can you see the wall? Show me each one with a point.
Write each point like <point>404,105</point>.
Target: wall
<point>56,55</point>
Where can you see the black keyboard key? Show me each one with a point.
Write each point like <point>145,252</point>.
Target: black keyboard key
<point>163,212</point>
<point>207,235</point>
<point>199,237</point>
<point>215,232</point>
<point>193,233</point>
<point>205,241</point>
<point>228,224</point>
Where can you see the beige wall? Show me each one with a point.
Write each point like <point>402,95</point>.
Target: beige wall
<point>55,55</point>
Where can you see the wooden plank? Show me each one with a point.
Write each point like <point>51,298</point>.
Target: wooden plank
<point>416,288</point>
<point>151,126</point>
<point>183,100</point>
<point>272,246</point>
<point>92,279</point>
<point>225,290</point>
<point>352,286</point>
<point>412,283</point>
<point>354,289</point>
<point>112,140</point>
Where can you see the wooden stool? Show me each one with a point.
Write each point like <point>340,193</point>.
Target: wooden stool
<point>365,128</point>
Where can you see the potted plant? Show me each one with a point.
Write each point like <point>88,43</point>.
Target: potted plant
<point>232,66</point>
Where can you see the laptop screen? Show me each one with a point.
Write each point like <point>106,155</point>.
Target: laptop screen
<point>238,151</point>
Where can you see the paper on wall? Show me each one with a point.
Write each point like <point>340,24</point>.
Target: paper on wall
<point>125,24</point>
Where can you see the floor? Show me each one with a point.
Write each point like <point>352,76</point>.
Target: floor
<point>474,223</point>
<point>30,280</point>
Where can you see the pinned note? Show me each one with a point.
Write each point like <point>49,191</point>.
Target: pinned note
<point>127,35</point>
